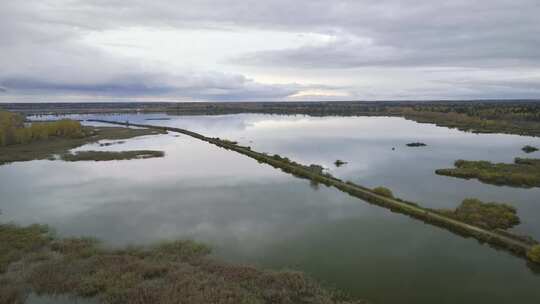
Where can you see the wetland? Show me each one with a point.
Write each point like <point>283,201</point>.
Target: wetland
<point>250,213</point>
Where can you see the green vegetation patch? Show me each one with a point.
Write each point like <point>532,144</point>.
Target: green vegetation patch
<point>524,172</point>
<point>384,192</point>
<point>534,254</point>
<point>111,155</point>
<point>164,273</point>
<point>13,130</point>
<point>486,215</point>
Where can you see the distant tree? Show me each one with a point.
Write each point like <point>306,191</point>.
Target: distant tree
<point>384,192</point>
<point>13,130</point>
<point>534,254</point>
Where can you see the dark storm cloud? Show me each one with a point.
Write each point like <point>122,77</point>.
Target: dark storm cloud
<point>41,51</point>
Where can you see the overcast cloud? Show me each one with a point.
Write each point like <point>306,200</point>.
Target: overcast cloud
<point>269,50</point>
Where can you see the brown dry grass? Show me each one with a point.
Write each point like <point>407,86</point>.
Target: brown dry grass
<point>170,272</point>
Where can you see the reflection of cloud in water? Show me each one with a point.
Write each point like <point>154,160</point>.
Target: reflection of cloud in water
<point>364,142</point>
<point>247,215</point>
<point>253,213</point>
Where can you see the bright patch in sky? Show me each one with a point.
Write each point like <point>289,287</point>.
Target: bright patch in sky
<point>319,93</point>
<point>204,48</point>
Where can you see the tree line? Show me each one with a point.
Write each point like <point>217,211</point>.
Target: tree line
<point>14,130</point>
<point>506,111</point>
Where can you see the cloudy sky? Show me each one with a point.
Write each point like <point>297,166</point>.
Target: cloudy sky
<point>251,50</point>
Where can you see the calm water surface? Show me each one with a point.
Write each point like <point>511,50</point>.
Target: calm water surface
<point>252,213</point>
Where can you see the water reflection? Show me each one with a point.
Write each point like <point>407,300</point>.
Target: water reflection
<point>366,144</point>
<point>253,213</point>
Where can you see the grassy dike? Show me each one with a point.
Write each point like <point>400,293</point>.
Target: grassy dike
<point>517,245</point>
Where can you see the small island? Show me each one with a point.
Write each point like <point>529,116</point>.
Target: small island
<point>339,163</point>
<point>416,144</point>
<point>111,155</point>
<point>524,172</point>
<point>486,215</point>
<point>529,149</point>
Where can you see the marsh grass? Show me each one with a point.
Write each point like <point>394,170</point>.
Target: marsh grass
<point>17,242</point>
<point>168,272</point>
<point>111,155</point>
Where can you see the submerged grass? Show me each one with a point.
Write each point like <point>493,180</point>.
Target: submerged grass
<point>111,155</point>
<point>524,172</point>
<point>169,272</point>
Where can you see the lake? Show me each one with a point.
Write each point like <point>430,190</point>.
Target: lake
<point>252,213</point>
